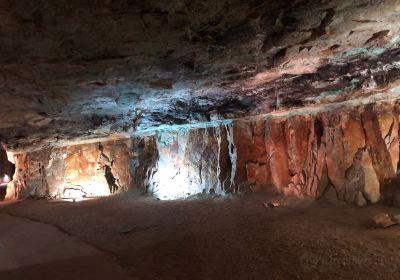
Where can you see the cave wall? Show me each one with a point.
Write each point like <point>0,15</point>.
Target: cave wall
<point>189,162</point>
<point>6,167</point>
<point>72,171</point>
<point>6,172</point>
<point>345,153</point>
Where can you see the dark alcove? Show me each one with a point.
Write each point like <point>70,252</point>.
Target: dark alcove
<point>7,170</point>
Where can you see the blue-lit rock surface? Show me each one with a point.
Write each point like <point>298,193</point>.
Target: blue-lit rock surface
<point>74,71</point>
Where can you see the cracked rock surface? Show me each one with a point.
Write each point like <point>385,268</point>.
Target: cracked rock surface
<point>348,153</point>
<point>76,71</point>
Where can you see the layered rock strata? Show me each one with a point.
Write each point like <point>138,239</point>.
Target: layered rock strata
<point>347,153</point>
<point>85,70</point>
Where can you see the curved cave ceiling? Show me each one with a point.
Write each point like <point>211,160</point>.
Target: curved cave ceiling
<point>80,70</point>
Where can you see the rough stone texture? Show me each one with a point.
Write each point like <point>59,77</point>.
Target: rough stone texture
<point>85,70</point>
<point>383,220</point>
<point>144,162</point>
<point>350,154</point>
<point>186,162</point>
<point>72,171</point>
<point>181,97</point>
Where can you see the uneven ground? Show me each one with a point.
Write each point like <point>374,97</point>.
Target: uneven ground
<point>204,239</point>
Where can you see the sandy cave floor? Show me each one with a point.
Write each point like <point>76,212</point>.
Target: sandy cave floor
<point>195,239</point>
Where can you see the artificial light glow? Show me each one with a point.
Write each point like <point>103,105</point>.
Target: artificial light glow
<point>6,179</point>
<point>172,182</point>
<point>174,179</point>
<point>178,175</point>
<point>94,184</point>
<point>76,199</point>
<point>74,193</point>
<point>83,192</point>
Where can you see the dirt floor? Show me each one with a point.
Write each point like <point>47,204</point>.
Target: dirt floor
<point>230,238</point>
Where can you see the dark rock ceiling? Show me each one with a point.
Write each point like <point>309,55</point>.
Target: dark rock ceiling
<point>74,70</point>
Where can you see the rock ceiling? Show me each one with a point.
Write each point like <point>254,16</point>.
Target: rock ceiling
<point>81,70</point>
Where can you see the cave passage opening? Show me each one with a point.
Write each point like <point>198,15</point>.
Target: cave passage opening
<point>7,170</point>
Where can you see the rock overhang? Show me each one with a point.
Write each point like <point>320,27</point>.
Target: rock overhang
<point>78,72</point>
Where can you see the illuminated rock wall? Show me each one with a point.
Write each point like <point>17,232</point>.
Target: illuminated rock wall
<point>190,162</point>
<point>6,172</point>
<point>72,171</point>
<point>6,167</point>
<point>346,153</point>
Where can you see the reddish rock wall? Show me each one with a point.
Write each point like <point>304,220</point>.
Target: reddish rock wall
<point>344,154</point>
<point>347,154</point>
<point>351,151</point>
<point>72,171</point>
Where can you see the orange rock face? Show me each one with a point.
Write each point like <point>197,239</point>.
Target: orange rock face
<point>352,151</point>
<point>348,154</point>
<point>77,170</point>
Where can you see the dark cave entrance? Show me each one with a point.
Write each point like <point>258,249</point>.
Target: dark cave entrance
<point>7,170</point>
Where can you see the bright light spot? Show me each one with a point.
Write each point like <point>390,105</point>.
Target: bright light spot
<point>6,179</point>
<point>174,179</point>
<point>86,186</point>
<point>74,194</point>
<point>75,199</point>
<point>172,182</point>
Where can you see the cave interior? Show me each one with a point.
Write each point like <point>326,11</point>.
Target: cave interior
<point>179,105</point>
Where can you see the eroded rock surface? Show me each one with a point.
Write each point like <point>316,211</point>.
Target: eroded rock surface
<point>347,154</point>
<point>81,70</point>
<point>183,97</point>
<point>73,171</point>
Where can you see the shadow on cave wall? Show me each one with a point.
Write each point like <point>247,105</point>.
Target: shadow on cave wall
<point>390,191</point>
